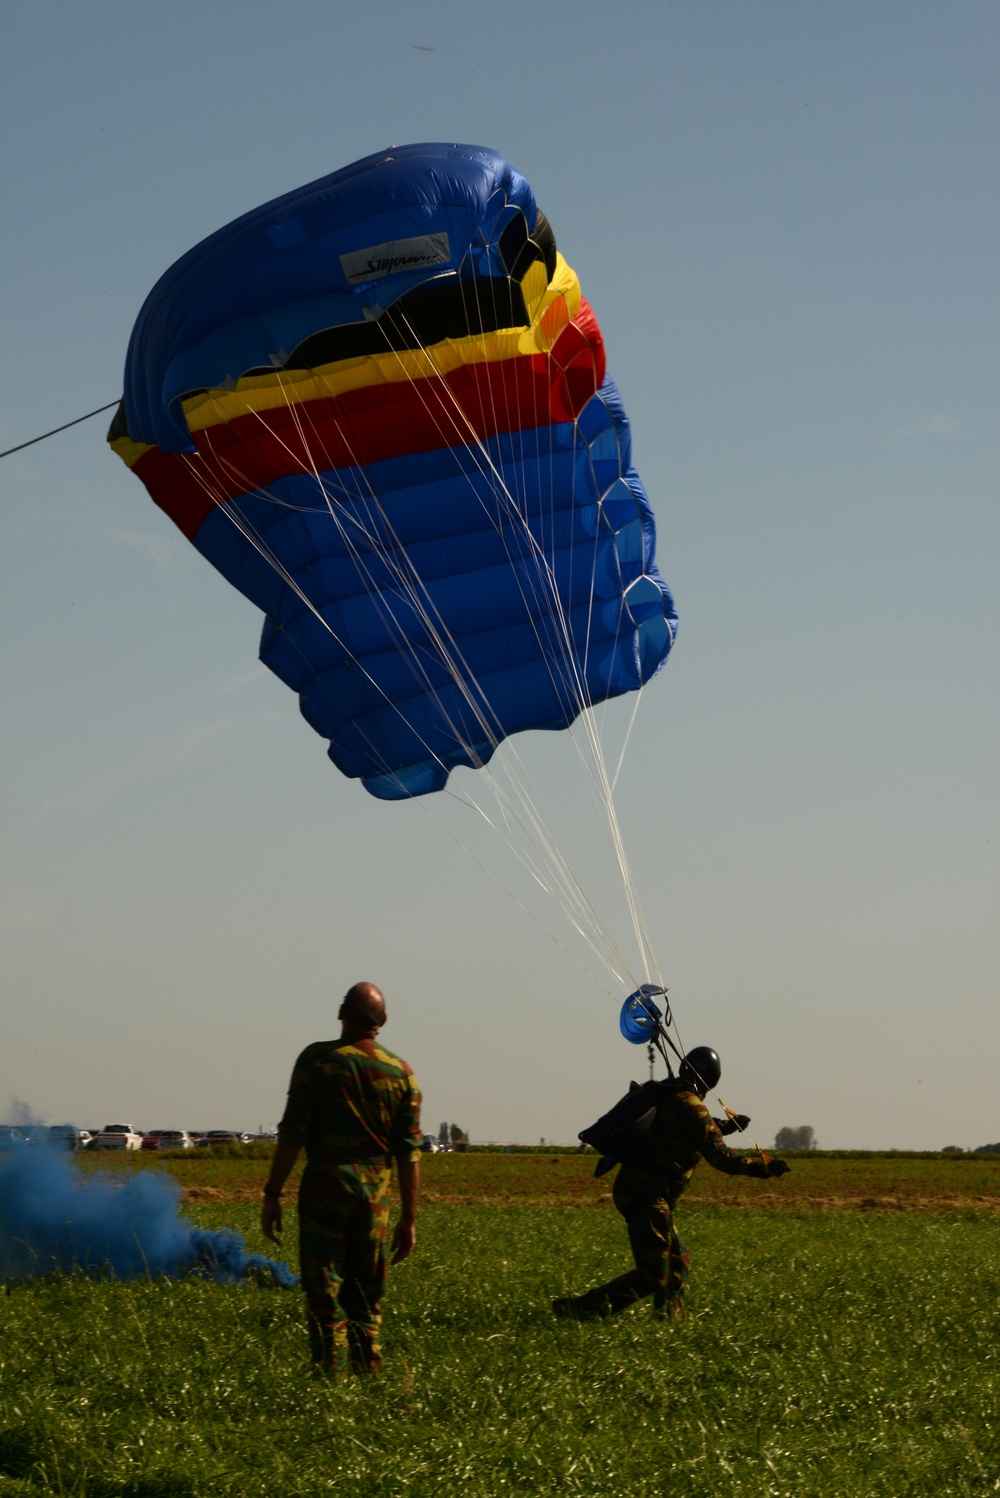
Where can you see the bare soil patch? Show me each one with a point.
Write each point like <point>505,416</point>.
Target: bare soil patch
<point>816,1183</point>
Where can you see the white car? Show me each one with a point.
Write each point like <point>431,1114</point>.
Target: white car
<point>68,1137</point>
<point>174,1139</point>
<point>117,1137</point>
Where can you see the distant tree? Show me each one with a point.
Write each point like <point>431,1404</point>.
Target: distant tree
<point>801,1138</point>
<point>443,1134</point>
<point>987,1149</point>
<point>458,1136</point>
<point>952,1149</point>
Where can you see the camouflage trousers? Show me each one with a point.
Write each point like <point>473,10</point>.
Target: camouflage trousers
<point>662,1264</point>
<point>343,1219</point>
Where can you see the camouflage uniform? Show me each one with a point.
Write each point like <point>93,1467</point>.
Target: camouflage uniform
<point>354,1107</point>
<point>645,1193</point>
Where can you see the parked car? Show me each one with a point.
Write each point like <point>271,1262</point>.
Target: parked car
<point>68,1137</point>
<point>218,1136</point>
<point>151,1139</point>
<point>429,1144</point>
<point>10,1137</point>
<point>117,1137</point>
<point>173,1139</point>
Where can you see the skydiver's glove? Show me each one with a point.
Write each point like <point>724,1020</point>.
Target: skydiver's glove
<point>734,1125</point>
<point>778,1167</point>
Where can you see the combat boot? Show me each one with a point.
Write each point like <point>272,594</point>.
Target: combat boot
<point>593,1306</point>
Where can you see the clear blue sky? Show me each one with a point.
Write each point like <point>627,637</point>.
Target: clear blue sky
<point>785,217</point>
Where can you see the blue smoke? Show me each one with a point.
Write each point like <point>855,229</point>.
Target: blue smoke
<point>53,1217</point>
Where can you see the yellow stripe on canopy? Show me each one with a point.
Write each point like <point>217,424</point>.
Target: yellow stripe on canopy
<point>554,309</point>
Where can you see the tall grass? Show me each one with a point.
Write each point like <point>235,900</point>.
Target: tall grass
<point>841,1355</point>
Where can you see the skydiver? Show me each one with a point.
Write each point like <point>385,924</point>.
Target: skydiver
<point>658,1153</point>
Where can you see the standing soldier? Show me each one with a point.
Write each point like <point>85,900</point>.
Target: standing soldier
<point>658,1152</point>
<point>354,1107</point>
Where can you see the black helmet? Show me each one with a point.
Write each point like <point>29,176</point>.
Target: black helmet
<point>702,1068</point>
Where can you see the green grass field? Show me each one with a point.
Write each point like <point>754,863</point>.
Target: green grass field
<point>842,1354</point>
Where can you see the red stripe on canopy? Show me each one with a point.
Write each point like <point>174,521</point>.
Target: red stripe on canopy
<point>473,402</point>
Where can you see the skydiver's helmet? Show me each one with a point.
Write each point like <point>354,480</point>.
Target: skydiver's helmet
<point>701,1069</point>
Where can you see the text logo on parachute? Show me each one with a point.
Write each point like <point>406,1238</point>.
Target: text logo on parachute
<point>396,254</point>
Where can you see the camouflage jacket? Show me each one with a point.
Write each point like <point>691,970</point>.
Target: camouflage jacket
<point>351,1102</point>
<point>682,1133</point>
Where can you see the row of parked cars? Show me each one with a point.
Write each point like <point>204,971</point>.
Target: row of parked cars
<point>180,1139</point>
<point>120,1137</point>
<point>124,1137</point>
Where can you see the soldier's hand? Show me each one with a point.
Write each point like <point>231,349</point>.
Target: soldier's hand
<point>270,1219</point>
<point>741,1120</point>
<point>403,1238</point>
<point>778,1167</point>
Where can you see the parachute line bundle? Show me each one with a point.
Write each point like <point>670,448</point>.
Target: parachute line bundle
<point>379,407</point>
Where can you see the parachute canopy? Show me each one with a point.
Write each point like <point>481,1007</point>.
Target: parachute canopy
<point>378,405</point>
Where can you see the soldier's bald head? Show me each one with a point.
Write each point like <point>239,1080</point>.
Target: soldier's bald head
<point>363,1008</point>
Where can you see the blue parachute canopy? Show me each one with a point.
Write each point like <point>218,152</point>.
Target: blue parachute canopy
<point>379,407</point>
